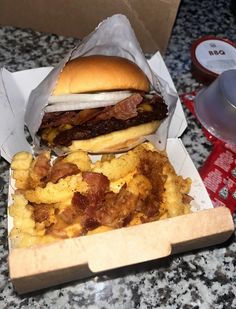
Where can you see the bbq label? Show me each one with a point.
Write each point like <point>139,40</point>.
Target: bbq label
<point>216,52</point>
<point>216,55</point>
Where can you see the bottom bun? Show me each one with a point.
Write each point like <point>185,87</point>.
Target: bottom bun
<point>116,141</point>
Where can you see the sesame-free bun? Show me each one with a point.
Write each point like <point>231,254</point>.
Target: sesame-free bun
<point>116,141</point>
<point>100,73</point>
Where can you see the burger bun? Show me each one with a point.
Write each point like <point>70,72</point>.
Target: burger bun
<point>100,73</point>
<point>116,141</point>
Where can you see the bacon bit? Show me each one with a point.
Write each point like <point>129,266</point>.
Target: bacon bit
<point>68,215</point>
<point>186,199</point>
<point>42,165</point>
<point>41,212</point>
<point>117,208</point>
<point>57,230</point>
<point>123,110</point>
<point>98,183</point>
<point>114,210</point>
<point>86,206</point>
<point>89,224</point>
<point>127,220</point>
<point>61,170</point>
<point>150,206</point>
<point>98,207</point>
<point>80,201</point>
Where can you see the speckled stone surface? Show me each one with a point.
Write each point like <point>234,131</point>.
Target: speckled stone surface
<point>202,279</point>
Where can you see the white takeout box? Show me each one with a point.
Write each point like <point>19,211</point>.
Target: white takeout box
<point>66,260</point>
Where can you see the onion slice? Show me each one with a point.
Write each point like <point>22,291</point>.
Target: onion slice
<point>85,100</point>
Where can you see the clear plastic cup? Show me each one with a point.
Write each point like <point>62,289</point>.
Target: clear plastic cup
<point>215,107</point>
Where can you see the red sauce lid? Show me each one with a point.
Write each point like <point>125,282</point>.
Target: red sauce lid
<point>211,56</point>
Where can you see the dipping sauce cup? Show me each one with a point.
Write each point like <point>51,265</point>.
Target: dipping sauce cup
<point>215,107</point>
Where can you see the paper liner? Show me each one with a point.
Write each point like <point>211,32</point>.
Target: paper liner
<point>12,117</point>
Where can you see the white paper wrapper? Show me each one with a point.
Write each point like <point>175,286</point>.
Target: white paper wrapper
<point>12,108</point>
<point>113,37</point>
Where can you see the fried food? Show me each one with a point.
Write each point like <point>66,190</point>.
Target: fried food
<point>175,188</point>
<point>79,158</point>
<point>23,233</point>
<point>70,196</point>
<point>62,169</point>
<point>39,169</point>
<point>119,167</point>
<point>21,161</point>
<point>59,192</point>
<point>20,169</point>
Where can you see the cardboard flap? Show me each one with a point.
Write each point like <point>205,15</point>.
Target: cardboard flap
<point>157,20</point>
<point>152,23</point>
<point>152,241</point>
<point>34,268</point>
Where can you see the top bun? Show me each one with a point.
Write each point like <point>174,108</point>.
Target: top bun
<point>100,73</point>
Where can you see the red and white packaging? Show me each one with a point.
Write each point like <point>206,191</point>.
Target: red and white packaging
<point>219,171</point>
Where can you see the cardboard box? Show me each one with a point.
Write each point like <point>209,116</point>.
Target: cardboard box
<point>66,260</point>
<point>152,20</point>
<point>40,267</point>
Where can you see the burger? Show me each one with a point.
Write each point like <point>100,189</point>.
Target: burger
<point>101,104</point>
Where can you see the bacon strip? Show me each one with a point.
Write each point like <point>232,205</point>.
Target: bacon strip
<point>186,199</point>
<point>61,170</point>
<point>111,209</point>
<point>87,204</point>
<point>69,214</point>
<point>117,208</point>
<point>98,183</point>
<point>123,110</point>
<point>42,165</point>
<point>41,212</point>
<point>74,118</point>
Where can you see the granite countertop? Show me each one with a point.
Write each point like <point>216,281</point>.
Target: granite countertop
<point>204,278</point>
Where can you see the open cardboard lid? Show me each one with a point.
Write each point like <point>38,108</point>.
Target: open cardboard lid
<point>15,89</point>
<point>152,23</point>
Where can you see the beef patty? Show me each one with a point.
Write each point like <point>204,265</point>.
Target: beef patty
<point>91,128</point>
